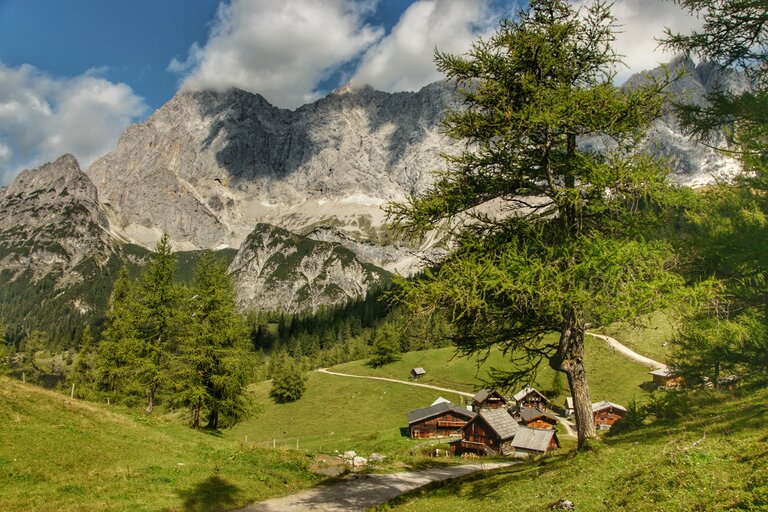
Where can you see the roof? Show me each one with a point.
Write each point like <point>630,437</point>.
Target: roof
<point>441,400</point>
<point>435,410</point>
<point>484,393</point>
<point>527,390</point>
<point>535,439</point>
<point>419,371</point>
<point>500,422</point>
<point>569,402</point>
<point>662,372</point>
<point>605,404</point>
<point>528,414</point>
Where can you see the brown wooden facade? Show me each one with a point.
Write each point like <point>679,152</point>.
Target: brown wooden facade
<point>543,422</point>
<point>607,415</point>
<point>480,438</point>
<point>488,399</point>
<point>446,424</point>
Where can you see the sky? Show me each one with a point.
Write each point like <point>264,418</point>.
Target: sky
<point>74,74</point>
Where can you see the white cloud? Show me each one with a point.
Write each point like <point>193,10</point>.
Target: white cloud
<point>280,49</point>
<point>642,23</point>
<point>42,117</point>
<point>404,59</point>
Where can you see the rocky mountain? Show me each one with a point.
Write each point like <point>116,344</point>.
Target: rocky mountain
<point>278,270</point>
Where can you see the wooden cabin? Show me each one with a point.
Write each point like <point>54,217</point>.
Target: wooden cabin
<point>533,417</point>
<point>664,378</point>
<point>489,433</point>
<point>568,407</point>
<point>606,414</point>
<point>417,373</point>
<point>530,397</point>
<point>488,399</point>
<point>534,441</point>
<point>440,420</point>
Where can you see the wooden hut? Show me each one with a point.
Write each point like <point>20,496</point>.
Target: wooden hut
<point>534,441</point>
<point>417,373</point>
<point>568,407</point>
<point>488,399</point>
<point>534,417</point>
<point>664,378</point>
<point>440,420</point>
<point>489,433</point>
<point>606,414</point>
<point>530,397</point>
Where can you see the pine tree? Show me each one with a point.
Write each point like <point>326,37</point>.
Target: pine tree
<point>81,374</point>
<point>386,346</point>
<point>575,243</point>
<point>288,378</point>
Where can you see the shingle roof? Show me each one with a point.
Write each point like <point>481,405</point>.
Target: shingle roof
<point>569,402</point>
<point>484,393</point>
<point>527,390</point>
<point>528,414</point>
<point>501,422</point>
<point>662,372</point>
<point>419,371</point>
<point>434,410</point>
<point>536,439</point>
<point>605,404</point>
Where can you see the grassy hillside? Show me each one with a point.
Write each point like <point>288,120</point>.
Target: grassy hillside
<point>714,458</point>
<point>63,455</point>
<point>649,337</point>
<point>610,375</point>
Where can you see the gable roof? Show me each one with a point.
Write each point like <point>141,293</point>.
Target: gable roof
<point>500,421</point>
<point>535,439</point>
<point>662,372</point>
<point>485,393</point>
<point>569,402</point>
<point>528,414</point>
<point>527,390</point>
<point>419,371</point>
<point>441,400</point>
<point>437,409</point>
<point>605,404</point>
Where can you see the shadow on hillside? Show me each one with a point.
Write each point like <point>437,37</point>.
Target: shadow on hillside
<point>214,493</point>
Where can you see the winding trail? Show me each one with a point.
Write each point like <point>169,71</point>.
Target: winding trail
<point>407,383</point>
<point>358,492</point>
<point>626,351</point>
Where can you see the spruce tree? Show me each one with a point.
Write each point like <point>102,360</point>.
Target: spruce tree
<point>81,374</point>
<point>573,241</point>
<point>288,378</point>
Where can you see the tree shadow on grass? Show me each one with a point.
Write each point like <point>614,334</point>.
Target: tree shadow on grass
<point>212,494</point>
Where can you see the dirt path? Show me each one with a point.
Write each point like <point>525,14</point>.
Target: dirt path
<point>614,343</point>
<point>407,383</point>
<point>358,492</point>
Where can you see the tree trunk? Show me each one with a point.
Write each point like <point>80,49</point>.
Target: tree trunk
<point>569,359</point>
<point>151,399</point>
<point>196,414</point>
<point>213,420</point>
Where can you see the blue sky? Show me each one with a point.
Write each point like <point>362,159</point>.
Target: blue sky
<point>75,73</point>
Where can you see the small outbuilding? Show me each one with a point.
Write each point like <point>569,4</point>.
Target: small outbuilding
<point>568,407</point>
<point>606,414</point>
<point>489,433</point>
<point>488,399</point>
<point>534,417</point>
<point>530,397</point>
<point>417,373</point>
<point>440,420</point>
<point>529,442</point>
<point>664,378</point>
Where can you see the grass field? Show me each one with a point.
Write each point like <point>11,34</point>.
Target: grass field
<point>649,338</point>
<point>611,376</point>
<point>714,458</point>
<point>58,454</point>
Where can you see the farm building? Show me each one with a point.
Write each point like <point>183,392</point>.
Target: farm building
<point>534,441</point>
<point>606,414</point>
<point>417,373</point>
<point>441,400</point>
<point>663,377</point>
<point>489,433</point>
<point>568,407</point>
<point>534,417</point>
<point>488,399</point>
<point>440,420</point>
<point>530,397</point>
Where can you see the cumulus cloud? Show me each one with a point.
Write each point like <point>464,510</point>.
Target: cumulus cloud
<point>281,50</point>
<point>42,117</point>
<point>642,22</point>
<point>403,61</point>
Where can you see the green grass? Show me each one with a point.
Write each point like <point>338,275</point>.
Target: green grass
<point>338,413</point>
<point>649,338</point>
<point>611,376</point>
<point>714,458</point>
<point>62,455</point>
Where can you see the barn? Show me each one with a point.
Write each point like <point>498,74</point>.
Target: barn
<point>439,420</point>
<point>536,418</point>
<point>489,433</point>
<point>606,414</point>
<point>533,441</point>
<point>417,373</point>
<point>530,397</point>
<point>488,399</point>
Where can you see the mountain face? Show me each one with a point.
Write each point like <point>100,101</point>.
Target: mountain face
<point>278,270</point>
